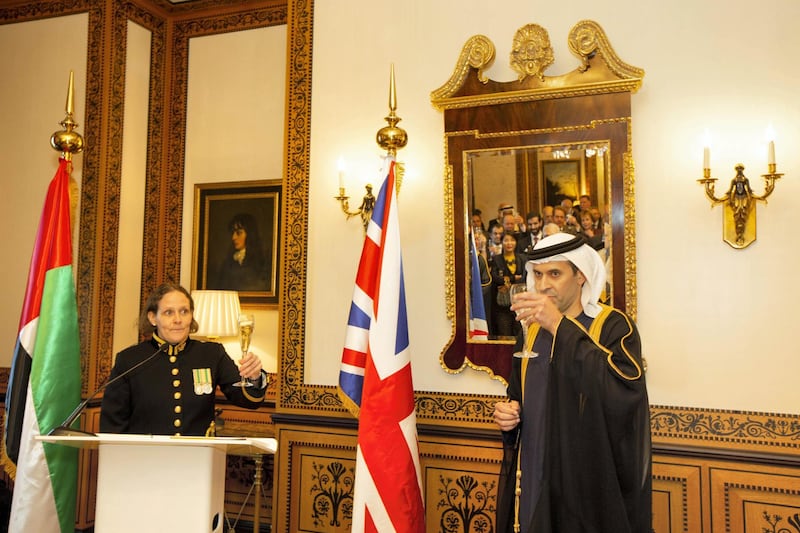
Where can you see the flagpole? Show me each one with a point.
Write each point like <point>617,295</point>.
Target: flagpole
<point>392,138</point>
<point>68,142</point>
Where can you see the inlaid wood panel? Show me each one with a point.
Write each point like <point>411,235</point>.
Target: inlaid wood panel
<point>460,484</point>
<point>677,498</point>
<point>316,476</point>
<point>316,469</point>
<point>761,500</point>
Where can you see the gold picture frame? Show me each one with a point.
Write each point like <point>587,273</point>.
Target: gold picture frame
<point>236,239</point>
<point>561,179</point>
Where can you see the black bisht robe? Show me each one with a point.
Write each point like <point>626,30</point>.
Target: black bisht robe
<point>597,465</point>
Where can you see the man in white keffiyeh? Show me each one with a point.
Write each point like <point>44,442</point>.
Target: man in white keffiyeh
<point>576,426</point>
<point>567,247</point>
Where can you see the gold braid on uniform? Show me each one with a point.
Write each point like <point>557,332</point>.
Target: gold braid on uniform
<point>172,349</point>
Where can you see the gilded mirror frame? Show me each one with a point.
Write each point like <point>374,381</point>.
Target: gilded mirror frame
<point>591,104</point>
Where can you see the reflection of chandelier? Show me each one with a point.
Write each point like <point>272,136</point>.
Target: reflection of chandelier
<point>566,153</point>
<point>591,152</point>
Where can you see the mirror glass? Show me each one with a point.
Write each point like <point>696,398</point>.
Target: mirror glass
<point>515,190</point>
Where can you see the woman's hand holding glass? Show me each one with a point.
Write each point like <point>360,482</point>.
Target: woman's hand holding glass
<point>249,368</point>
<point>517,290</point>
<point>249,364</point>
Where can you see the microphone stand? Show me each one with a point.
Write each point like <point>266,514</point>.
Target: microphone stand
<point>64,430</point>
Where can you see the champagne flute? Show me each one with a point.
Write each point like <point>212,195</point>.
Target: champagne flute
<point>246,326</point>
<point>516,290</point>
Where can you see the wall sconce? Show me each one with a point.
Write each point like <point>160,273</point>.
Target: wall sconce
<point>739,202</point>
<point>367,203</point>
<point>390,138</point>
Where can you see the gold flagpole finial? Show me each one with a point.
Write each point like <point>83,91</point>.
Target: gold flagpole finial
<point>391,138</point>
<point>392,91</point>
<point>67,141</point>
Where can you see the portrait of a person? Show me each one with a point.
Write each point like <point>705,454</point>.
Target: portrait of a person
<point>244,266</point>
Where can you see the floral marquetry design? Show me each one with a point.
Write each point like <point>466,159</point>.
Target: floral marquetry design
<point>332,490</point>
<point>739,429</point>
<point>466,505</point>
<point>474,408</point>
<point>775,523</point>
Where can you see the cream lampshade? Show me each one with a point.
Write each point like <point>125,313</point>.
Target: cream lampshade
<point>216,313</point>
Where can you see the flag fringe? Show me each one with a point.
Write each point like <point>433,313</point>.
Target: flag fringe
<point>9,466</point>
<point>348,403</point>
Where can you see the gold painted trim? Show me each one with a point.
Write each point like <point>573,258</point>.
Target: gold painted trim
<point>629,237</point>
<point>601,70</point>
<point>593,124</point>
<point>449,244</point>
<point>477,53</point>
<point>587,38</point>
<point>530,95</point>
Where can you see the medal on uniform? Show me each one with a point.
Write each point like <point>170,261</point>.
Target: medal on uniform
<point>202,381</point>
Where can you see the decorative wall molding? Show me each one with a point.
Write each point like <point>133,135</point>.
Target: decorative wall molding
<point>738,430</point>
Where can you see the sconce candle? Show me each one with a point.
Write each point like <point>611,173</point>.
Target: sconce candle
<point>771,153</point>
<point>340,164</point>
<point>706,157</point>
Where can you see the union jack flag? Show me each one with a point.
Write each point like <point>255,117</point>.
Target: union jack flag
<point>478,328</point>
<point>375,380</point>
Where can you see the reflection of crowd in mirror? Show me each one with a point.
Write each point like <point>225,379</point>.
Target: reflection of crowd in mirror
<point>589,228</point>
<point>502,210</point>
<point>505,265</point>
<point>531,234</point>
<point>477,221</point>
<point>244,267</point>
<point>507,268</point>
<point>495,244</point>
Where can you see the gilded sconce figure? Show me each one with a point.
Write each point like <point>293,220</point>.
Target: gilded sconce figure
<point>739,213</point>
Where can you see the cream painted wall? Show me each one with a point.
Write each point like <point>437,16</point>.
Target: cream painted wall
<point>233,105</point>
<point>716,322</point>
<point>33,93</point>
<point>134,175</point>
<point>236,100</point>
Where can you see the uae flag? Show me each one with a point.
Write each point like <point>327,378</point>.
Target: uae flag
<point>375,380</point>
<point>45,382</point>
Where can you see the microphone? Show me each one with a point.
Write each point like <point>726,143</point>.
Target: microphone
<point>64,430</point>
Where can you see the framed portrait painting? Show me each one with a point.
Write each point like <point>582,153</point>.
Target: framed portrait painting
<point>237,238</point>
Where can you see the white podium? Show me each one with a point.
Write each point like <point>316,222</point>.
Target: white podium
<point>160,483</point>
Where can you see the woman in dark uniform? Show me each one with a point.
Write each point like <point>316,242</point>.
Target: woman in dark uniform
<point>173,393</point>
